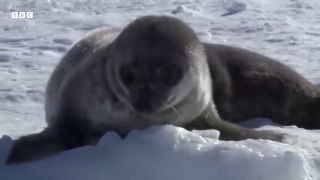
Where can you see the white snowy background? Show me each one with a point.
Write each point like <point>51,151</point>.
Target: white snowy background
<point>287,30</point>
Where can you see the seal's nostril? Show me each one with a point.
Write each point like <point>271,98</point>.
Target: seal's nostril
<point>147,89</point>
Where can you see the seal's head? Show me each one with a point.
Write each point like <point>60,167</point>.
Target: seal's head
<point>155,63</point>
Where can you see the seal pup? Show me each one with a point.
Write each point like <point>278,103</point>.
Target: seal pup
<point>156,71</point>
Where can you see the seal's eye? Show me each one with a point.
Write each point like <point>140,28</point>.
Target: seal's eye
<point>128,75</point>
<point>170,74</point>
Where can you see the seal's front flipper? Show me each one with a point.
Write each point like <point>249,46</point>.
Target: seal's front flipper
<point>37,146</point>
<point>230,131</point>
<point>34,147</point>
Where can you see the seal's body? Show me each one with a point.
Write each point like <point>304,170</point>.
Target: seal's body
<point>156,71</point>
<point>251,85</point>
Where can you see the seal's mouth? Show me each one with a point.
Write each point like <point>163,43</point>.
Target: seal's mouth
<point>143,109</point>
<point>149,106</point>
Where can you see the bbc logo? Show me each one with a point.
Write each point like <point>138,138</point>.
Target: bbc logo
<point>22,15</point>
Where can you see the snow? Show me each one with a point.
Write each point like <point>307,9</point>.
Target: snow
<point>287,30</point>
<point>168,152</point>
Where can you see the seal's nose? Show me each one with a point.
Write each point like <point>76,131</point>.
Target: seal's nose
<point>146,88</point>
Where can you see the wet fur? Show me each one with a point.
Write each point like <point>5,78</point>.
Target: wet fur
<point>81,106</point>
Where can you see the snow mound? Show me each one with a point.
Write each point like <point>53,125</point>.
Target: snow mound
<point>167,152</point>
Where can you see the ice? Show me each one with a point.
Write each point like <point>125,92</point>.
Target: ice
<point>234,7</point>
<point>168,152</point>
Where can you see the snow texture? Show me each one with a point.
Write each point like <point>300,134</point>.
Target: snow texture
<point>287,30</point>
